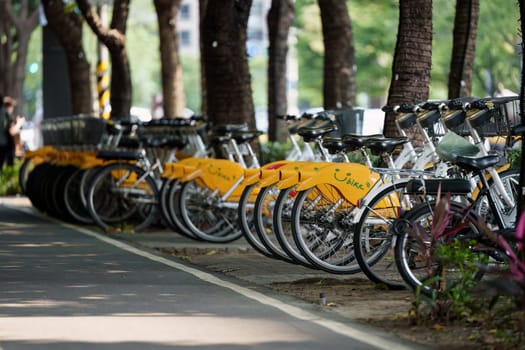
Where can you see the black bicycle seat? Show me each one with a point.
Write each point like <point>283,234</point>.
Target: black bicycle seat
<point>311,133</point>
<point>476,163</point>
<point>380,145</point>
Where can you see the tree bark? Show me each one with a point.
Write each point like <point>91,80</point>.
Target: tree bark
<point>202,11</point>
<point>228,80</point>
<point>173,100</point>
<point>15,30</point>
<point>339,86</point>
<point>521,193</point>
<point>412,57</point>
<point>463,48</point>
<point>68,29</point>
<point>280,19</point>
<point>114,38</point>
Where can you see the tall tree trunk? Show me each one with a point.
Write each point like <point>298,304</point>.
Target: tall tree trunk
<point>463,49</point>
<point>15,32</point>
<point>412,57</point>
<point>202,11</point>
<point>67,27</point>
<point>522,111</point>
<point>172,84</point>
<point>280,19</point>
<point>228,80</point>
<point>339,58</point>
<point>114,38</point>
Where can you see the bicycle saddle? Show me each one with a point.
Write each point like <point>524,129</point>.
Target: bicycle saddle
<point>407,121</point>
<point>175,142</point>
<point>358,141</point>
<point>380,145</point>
<point>334,145</point>
<point>476,163</point>
<point>245,136</point>
<point>228,128</point>
<point>311,133</point>
<point>119,154</point>
<point>429,119</point>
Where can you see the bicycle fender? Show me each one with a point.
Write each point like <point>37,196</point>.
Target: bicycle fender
<point>352,180</point>
<point>288,178</point>
<point>268,177</point>
<point>251,176</point>
<point>218,174</point>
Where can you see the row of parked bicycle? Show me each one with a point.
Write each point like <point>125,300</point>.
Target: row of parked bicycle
<point>316,208</point>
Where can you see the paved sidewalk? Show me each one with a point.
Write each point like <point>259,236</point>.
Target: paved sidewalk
<point>236,262</point>
<point>357,299</point>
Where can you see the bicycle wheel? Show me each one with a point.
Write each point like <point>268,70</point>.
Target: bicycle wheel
<point>320,232</point>
<point>263,222</point>
<point>58,189</point>
<point>169,204</point>
<point>373,235</point>
<point>246,221</point>
<point>424,261</point>
<point>206,215</point>
<point>72,198</point>
<point>282,226</point>
<point>34,185</point>
<point>511,180</point>
<point>122,197</point>
<point>25,169</point>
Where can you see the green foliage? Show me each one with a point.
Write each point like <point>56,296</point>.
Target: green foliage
<point>374,27</point>
<point>192,81</point>
<point>33,74</point>
<point>9,184</point>
<point>514,157</point>
<point>274,151</point>
<point>451,302</point>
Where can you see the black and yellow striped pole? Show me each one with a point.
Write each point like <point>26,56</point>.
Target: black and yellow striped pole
<point>103,70</point>
<point>103,88</point>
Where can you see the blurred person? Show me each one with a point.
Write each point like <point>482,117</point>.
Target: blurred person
<point>10,131</point>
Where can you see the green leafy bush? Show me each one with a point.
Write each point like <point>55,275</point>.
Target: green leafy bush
<point>9,184</point>
<point>274,151</point>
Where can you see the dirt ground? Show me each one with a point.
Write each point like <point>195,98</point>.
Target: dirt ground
<point>352,296</point>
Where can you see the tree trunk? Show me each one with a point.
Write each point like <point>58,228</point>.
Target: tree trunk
<point>202,11</point>
<point>280,19</point>
<point>463,49</point>
<point>522,112</point>
<point>412,57</point>
<point>228,80</point>
<point>114,38</point>
<point>67,26</point>
<point>15,31</point>
<point>173,100</point>
<point>339,60</point>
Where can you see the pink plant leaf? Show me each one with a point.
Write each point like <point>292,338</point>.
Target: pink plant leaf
<point>520,231</point>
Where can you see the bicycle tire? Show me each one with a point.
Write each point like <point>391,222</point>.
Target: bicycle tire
<point>34,184</point>
<point>57,195</point>
<point>412,249</point>
<point>282,226</point>
<point>25,169</point>
<point>72,198</point>
<point>121,197</point>
<point>318,230</point>
<point>511,180</point>
<point>247,222</point>
<point>263,223</point>
<point>202,213</point>
<point>168,204</point>
<point>373,237</point>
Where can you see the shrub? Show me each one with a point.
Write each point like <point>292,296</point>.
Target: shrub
<point>9,184</point>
